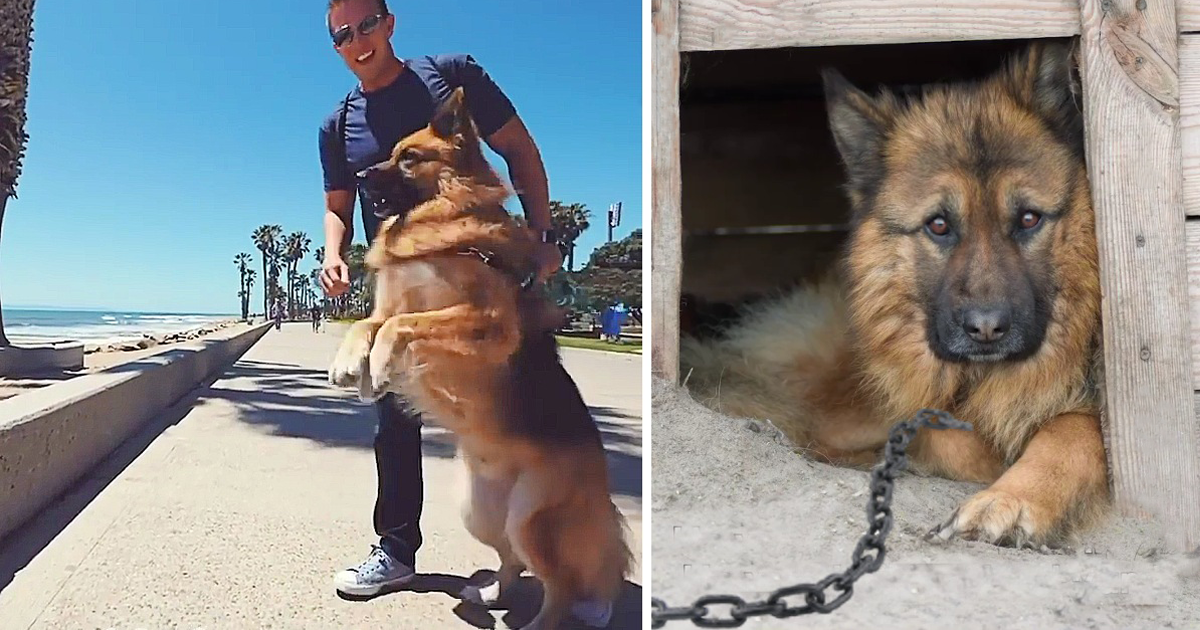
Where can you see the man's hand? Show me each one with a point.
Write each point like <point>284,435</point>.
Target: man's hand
<point>335,276</point>
<point>549,260</point>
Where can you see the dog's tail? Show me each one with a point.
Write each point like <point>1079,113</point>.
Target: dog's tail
<point>765,365</point>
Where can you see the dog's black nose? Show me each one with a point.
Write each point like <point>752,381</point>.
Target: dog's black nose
<point>986,325</point>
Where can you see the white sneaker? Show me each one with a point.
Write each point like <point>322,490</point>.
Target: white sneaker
<point>378,572</point>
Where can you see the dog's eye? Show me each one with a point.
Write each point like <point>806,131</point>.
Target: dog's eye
<point>938,226</point>
<point>409,155</point>
<point>1030,219</point>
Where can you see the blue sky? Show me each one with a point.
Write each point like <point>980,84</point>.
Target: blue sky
<point>163,133</point>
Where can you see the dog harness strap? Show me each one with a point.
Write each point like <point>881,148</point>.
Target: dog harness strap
<point>342,127</point>
<point>489,258</point>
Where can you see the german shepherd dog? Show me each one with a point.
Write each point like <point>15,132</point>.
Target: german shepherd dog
<point>456,332</point>
<point>970,283</point>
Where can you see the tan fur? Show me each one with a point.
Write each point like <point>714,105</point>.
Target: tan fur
<point>443,334</point>
<point>836,365</point>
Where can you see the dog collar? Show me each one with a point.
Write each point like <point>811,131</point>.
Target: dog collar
<point>490,259</point>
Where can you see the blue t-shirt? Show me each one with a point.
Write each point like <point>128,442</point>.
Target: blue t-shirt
<point>376,121</point>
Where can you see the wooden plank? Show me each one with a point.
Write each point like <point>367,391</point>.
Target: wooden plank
<point>1187,14</point>
<point>1189,124</point>
<point>667,189</point>
<point>1131,100</point>
<point>1193,279</point>
<point>734,24</point>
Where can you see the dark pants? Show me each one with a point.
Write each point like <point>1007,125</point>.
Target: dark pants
<point>401,489</point>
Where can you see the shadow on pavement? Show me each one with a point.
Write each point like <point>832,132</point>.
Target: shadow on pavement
<point>293,401</point>
<point>523,604</point>
<point>24,544</point>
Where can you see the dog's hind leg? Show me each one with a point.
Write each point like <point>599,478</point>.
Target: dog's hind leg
<point>484,516</point>
<point>498,592</point>
<point>534,534</point>
<point>555,604</point>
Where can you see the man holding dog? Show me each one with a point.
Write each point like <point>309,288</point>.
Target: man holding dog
<point>394,98</point>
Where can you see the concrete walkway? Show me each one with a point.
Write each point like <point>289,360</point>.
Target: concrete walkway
<point>235,508</point>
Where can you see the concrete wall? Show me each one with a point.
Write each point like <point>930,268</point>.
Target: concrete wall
<point>32,358</point>
<point>51,437</point>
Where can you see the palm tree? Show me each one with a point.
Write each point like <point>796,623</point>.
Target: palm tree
<point>16,40</point>
<point>266,239</point>
<point>294,248</point>
<point>359,293</point>
<point>242,260</point>
<point>314,280</point>
<point>569,221</point>
<point>250,273</point>
<point>302,290</point>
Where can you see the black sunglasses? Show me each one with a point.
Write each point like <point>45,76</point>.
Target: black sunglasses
<point>345,33</point>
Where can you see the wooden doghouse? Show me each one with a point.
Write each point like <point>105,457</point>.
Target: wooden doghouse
<point>1141,79</point>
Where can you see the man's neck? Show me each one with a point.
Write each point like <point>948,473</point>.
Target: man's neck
<point>385,78</point>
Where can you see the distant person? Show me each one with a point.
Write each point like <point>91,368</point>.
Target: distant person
<point>315,313</point>
<point>402,96</point>
<point>278,315</point>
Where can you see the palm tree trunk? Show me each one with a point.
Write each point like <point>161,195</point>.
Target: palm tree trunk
<point>4,342</point>
<point>288,271</point>
<point>266,283</point>
<point>292,289</point>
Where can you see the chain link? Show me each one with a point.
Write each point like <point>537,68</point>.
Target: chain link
<point>867,557</point>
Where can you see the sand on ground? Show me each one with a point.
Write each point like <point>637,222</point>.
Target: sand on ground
<point>736,511</point>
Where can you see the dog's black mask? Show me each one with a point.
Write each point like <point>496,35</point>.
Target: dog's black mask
<point>386,192</point>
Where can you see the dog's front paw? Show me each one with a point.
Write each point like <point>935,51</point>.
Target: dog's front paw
<point>380,363</point>
<point>999,518</point>
<point>351,362</point>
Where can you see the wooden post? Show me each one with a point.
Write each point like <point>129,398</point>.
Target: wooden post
<point>1130,76</point>
<point>666,185</point>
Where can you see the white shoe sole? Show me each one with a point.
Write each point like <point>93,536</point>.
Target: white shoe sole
<point>365,590</point>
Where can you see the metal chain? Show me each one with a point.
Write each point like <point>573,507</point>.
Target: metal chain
<point>867,557</point>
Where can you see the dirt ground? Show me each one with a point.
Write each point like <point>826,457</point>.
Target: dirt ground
<point>736,512</point>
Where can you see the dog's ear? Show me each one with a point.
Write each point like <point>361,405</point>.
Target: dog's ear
<point>1044,77</point>
<point>860,125</point>
<point>452,121</point>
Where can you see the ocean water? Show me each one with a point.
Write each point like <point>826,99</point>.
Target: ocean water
<point>99,327</point>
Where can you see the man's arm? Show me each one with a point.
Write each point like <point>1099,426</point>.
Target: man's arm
<point>338,218</point>
<point>339,229</point>
<point>513,142</point>
<point>339,222</point>
<point>528,174</point>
